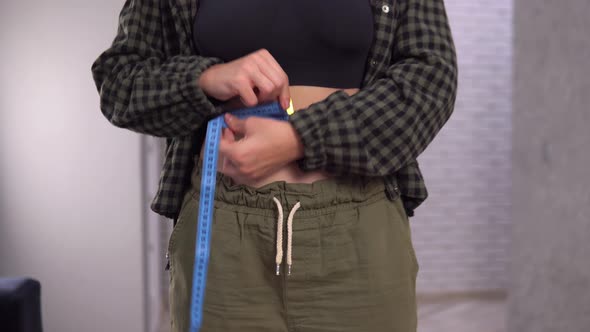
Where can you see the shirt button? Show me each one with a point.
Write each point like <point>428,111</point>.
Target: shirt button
<point>373,63</point>
<point>385,9</point>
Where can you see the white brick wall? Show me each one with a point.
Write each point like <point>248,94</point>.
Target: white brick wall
<point>461,231</point>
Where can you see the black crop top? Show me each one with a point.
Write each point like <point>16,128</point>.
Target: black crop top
<point>316,42</point>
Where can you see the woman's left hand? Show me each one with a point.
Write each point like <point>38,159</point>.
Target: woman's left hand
<point>266,145</point>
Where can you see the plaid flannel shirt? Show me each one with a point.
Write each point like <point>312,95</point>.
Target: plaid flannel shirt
<point>147,81</point>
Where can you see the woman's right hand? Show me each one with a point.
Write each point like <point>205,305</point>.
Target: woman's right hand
<point>255,78</point>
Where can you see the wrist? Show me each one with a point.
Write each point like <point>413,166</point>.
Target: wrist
<point>203,79</point>
<point>295,145</point>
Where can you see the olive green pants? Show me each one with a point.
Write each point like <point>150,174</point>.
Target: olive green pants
<point>353,264</point>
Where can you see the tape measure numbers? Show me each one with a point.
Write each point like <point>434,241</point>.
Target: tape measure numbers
<point>207,198</point>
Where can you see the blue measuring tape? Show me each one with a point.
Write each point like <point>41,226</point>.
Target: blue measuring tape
<point>208,182</point>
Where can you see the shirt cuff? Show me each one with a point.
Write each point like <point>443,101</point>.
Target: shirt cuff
<point>308,124</point>
<point>190,89</point>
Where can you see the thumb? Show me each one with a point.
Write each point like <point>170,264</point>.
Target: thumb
<point>236,124</point>
<point>228,135</point>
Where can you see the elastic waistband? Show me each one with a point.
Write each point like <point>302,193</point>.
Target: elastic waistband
<point>317,198</point>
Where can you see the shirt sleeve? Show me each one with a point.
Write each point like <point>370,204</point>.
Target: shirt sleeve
<point>141,88</point>
<point>389,122</point>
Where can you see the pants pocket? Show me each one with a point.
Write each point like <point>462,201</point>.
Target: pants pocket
<point>404,221</point>
<point>186,211</point>
<point>181,253</point>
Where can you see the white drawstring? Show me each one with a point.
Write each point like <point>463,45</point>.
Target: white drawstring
<point>290,236</point>
<point>279,257</point>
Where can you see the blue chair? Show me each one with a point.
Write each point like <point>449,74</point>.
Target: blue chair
<point>20,305</point>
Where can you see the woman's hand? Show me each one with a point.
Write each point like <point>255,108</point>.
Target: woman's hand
<point>256,78</point>
<point>266,146</point>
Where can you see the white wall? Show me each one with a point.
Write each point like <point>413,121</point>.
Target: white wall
<point>70,182</point>
<point>461,232</point>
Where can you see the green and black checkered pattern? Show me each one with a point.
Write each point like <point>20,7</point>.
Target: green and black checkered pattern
<point>147,81</point>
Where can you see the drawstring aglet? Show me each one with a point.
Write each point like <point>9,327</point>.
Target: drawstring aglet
<point>279,269</point>
<point>289,270</point>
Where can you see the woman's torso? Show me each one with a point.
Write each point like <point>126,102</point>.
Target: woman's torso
<point>321,45</point>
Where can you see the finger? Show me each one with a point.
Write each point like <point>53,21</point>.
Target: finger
<point>246,92</point>
<point>232,151</point>
<point>268,62</point>
<point>229,168</point>
<point>225,137</point>
<point>226,148</point>
<point>233,169</point>
<point>267,90</point>
<point>275,72</point>
<point>272,71</point>
<point>233,136</point>
<point>237,125</point>
<point>285,97</point>
<point>228,135</point>
<point>280,90</point>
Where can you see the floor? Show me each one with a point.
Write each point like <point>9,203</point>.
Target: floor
<point>469,314</point>
<point>450,314</point>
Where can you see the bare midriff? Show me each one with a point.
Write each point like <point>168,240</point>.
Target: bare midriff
<point>302,97</point>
